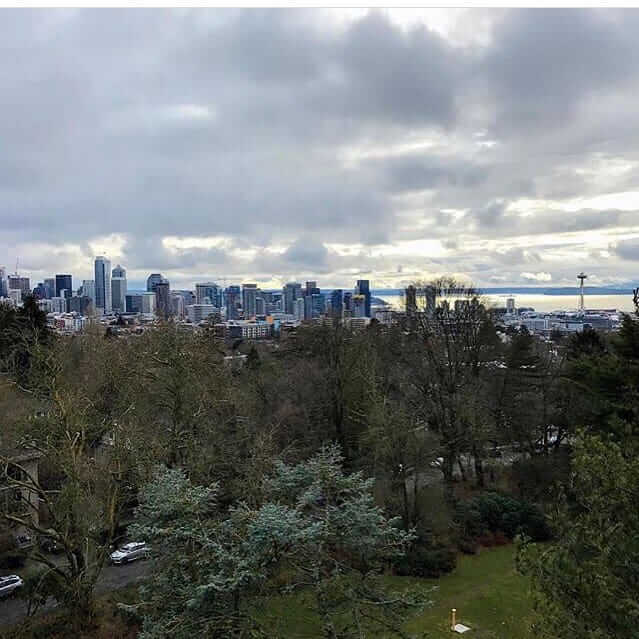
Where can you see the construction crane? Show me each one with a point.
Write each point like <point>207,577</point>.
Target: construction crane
<point>581,277</point>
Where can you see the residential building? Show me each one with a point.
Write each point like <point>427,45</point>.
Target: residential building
<point>249,295</point>
<point>290,293</point>
<point>177,305</point>
<point>118,289</point>
<point>88,289</point>
<point>59,304</point>
<point>4,284</point>
<point>233,297</point>
<point>102,285</point>
<point>197,313</point>
<point>208,293</point>
<point>80,304</point>
<point>163,306</point>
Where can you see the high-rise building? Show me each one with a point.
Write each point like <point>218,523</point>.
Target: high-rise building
<point>163,305</point>
<point>63,283</point>
<point>59,304</point>
<point>147,303</point>
<point>348,301</point>
<point>260,306</point>
<point>40,292</point>
<point>337,302</point>
<point>249,294</point>
<point>299,308</point>
<point>22,284</point>
<point>290,293</point>
<point>318,304</point>
<point>510,305</point>
<point>199,312</point>
<point>310,286</point>
<point>88,289</point>
<point>102,284</point>
<point>49,285</point>
<point>233,297</point>
<point>118,289</point>
<point>363,288</point>
<point>80,304</point>
<point>210,291</point>
<point>177,305</point>
<point>4,285</point>
<point>133,303</point>
<point>359,306</point>
<point>152,281</point>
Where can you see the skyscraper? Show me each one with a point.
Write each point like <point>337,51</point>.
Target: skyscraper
<point>63,283</point>
<point>233,297</point>
<point>290,293</point>
<point>118,289</point>
<point>4,286</point>
<point>22,284</point>
<point>249,294</point>
<point>337,302</point>
<point>210,291</point>
<point>102,284</point>
<point>363,288</point>
<point>49,285</point>
<point>88,289</point>
<point>152,281</point>
<point>163,306</point>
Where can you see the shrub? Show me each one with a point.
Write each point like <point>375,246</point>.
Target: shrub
<point>427,561</point>
<point>496,513</point>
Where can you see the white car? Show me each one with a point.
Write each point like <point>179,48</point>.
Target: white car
<point>130,552</point>
<point>9,584</point>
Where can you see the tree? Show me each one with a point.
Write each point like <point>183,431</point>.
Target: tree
<point>317,527</point>
<point>588,579</point>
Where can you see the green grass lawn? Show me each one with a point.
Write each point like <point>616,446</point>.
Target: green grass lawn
<point>490,597</point>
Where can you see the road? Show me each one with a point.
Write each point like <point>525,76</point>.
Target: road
<point>13,609</point>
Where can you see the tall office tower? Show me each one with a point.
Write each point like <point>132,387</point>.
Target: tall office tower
<point>299,308</point>
<point>63,283</point>
<point>359,306</point>
<point>163,305</point>
<point>118,289</point>
<point>209,290</point>
<point>22,284</point>
<point>49,285</point>
<point>363,288</point>
<point>348,301</point>
<point>308,306</point>
<point>260,306</point>
<point>148,303</point>
<point>309,287</point>
<point>510,305</point>
<point>337,302</point>
<point>102,285</point>
<point>40,292</point>
<point>318,304</point>
<point>79,304</point>
<point>152,281</point>
<point>4,285</point>
<point>88,289</point>
<point>290,293</point>
<point>233,297</point>
<point>249,294</point>
<point>177,305</point>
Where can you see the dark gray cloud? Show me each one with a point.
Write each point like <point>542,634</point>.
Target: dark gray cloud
<point>292,129</point>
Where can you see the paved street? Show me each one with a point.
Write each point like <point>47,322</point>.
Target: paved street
<point>12,610</point>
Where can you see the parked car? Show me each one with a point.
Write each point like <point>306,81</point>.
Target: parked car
<point>130,552</point>
<point>49,544</point>
<point>9,584</point>
<point>24,541</point>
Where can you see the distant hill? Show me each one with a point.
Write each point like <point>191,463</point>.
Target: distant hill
<point>534,290</point>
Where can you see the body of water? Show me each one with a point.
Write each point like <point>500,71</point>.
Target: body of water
<point>545,303</point>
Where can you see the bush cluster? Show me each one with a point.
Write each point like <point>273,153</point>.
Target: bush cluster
<point>487,518</point>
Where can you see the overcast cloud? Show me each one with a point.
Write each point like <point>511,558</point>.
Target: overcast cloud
<point>275,145</point>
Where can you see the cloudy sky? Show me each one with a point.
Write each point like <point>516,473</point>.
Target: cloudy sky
<point>276,145</point>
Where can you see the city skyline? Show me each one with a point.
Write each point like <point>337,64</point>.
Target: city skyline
<point>386,145</point>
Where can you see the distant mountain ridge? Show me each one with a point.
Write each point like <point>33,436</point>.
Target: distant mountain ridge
<point>527,290</point>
